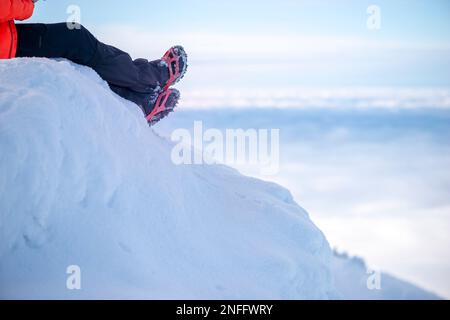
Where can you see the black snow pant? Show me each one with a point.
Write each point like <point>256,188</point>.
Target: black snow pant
<point>136,80</point>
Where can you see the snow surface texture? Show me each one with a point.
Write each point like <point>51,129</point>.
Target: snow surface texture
<point>84,181</point>
<point>351,275</point>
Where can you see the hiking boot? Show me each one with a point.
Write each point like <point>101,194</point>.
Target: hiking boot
<point>164,104</point>
<point>176,61</point>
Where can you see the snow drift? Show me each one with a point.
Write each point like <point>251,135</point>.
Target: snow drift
<point>84,181</point>
<point>351,276</point>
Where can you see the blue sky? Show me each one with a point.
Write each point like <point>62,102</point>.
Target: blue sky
<point>325,43</point>
<point>402,19</point>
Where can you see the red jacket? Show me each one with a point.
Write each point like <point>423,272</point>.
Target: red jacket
<point>11,10</point>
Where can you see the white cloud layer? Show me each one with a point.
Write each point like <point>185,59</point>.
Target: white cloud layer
<point>302,97</point>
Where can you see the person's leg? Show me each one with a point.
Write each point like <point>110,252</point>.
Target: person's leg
<point>80,46</point>
<point>139,81</point>
<point>144,100</point>
<point>56,41</point>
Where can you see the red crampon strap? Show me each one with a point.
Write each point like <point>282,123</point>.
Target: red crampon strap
<point>169,58</point>
<point>160,104</point>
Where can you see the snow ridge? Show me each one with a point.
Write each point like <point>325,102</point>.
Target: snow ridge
<point>84,181</point>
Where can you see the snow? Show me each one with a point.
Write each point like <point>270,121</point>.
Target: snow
<point>84,181</point>
<point>351,275</point>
